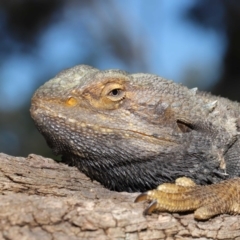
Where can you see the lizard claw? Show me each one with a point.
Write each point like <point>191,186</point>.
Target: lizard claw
<point>205,201</point>
<point>151,207</point>
<point>141,197</point>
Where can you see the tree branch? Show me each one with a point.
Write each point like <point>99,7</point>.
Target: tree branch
<point>43,199</point>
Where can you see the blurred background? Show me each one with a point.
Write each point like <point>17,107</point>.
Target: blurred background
<point>195,42</point>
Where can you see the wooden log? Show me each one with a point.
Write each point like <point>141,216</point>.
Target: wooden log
<point>43,199</point>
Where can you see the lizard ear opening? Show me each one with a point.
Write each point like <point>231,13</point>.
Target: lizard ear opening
<point>185,127</point>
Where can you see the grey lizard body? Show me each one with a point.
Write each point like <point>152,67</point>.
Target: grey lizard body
<point>132,132</point>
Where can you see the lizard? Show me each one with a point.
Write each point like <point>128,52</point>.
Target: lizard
<point>140,133</point>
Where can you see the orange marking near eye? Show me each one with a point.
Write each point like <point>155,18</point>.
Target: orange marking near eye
<point>71,102</point>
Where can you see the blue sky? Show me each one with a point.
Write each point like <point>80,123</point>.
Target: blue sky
<point>172,47</point>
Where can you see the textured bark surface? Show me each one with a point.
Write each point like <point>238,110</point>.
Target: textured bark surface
<point>42,199</point>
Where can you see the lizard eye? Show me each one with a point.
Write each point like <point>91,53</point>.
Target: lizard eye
<point>108,96</point>
<point>114,92</point>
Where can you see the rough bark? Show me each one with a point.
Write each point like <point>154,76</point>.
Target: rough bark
<point>43,199</point>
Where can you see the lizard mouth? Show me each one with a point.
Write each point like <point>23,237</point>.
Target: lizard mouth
<point>40,111</point>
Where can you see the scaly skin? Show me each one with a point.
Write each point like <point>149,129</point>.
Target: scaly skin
<point>207,201</point>
<point>134,132</point>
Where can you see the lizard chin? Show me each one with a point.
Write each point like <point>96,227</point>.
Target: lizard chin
<point>102,155</point>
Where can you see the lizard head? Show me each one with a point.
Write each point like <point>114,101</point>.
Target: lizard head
<point>115,127</point>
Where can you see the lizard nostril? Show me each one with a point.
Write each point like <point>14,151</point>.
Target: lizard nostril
<point>71,101</point>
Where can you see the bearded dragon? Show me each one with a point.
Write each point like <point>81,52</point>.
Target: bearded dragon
<point>138,132</point>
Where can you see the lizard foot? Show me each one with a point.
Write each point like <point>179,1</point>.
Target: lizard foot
<point>206,201</point>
